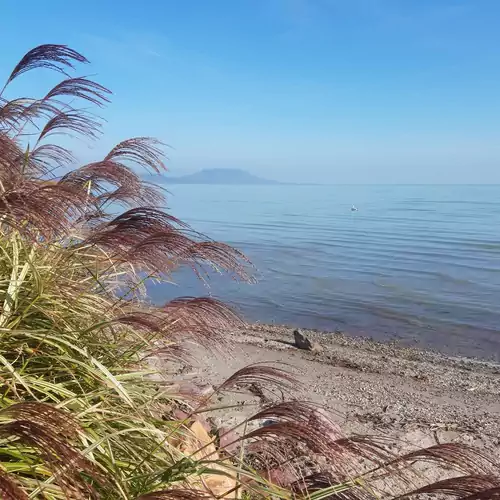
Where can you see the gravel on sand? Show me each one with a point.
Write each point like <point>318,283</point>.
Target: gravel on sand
<point>416,397</point>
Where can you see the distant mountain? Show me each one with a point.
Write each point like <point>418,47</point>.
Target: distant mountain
<point>219,176</point>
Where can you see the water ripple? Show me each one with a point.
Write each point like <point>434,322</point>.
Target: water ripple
<point>417,263</point>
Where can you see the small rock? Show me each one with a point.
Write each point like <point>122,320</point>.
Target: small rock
<point>269,422</point>
<point>316,347</point>
<point>301,341</point>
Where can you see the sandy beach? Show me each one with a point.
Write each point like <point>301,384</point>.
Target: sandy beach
<point>415,397</point>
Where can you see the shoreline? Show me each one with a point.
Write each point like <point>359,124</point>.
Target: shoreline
<point>485,353</point>
<point>395,346</point>
<point>414,397</point>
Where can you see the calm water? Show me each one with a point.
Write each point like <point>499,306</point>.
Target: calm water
<point>416,263</point>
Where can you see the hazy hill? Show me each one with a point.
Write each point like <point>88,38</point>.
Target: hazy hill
<point>219,176</point>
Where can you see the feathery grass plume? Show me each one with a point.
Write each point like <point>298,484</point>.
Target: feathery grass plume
<point>46,430</point>
<point>461,487</point>
<point>71,123</point>
<point>159,243</point>
<point>44,415</point>
<point>10,156</point>
<point>13,112</point>
<point>81,88</point>
<point>304,431</point>
<point>174,494</point>
<point>145,152</point>
<point>50,56</point>
<point>43,209</point>
<point>462,458</point>
<point>98,176</point>
<point>203,319</point>
<point>304,412</point>
<point>48,157</point>
<point>260,373</point>
<point>145,194</point>
<point>133,226</point>
<point>310,425</point>
<point>323,485</point>
<point>491,494</point>
<point>10,489</point>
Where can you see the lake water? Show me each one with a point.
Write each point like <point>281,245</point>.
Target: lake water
<point>420,264</point>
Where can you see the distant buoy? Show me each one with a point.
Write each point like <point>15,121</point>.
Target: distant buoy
<point>354,209</point>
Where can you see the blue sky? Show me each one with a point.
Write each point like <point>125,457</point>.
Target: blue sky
<point>347,91</point>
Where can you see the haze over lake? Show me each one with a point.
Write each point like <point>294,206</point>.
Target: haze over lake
<point>416,263</point>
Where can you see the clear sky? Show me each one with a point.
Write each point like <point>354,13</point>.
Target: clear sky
<point>347,91</point>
